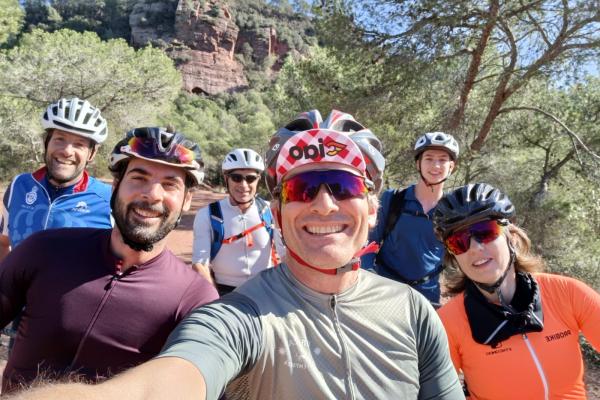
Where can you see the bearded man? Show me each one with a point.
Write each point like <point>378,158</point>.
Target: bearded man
<point>98,301</point>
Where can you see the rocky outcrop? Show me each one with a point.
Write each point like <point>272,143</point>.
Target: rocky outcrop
<point>209,35</point>
<point>148,23</point>
<point>264,44</point>
<point>205,42</point>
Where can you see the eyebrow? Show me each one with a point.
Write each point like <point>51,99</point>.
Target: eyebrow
<point>142,171</point>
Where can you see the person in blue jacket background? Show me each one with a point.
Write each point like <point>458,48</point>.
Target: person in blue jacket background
<point>409,251</point>
<point>61,194</point>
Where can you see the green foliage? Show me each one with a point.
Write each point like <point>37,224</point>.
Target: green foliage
<point>130,87</point>
<point>292,28</point>
<point>108,18</point>
<point>229,121</point>
<point>11,19</point>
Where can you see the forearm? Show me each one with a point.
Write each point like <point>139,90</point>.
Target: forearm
<point>163,378</point>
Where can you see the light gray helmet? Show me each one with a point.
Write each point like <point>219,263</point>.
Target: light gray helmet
<point>437,140</point>
<point>78,117</point>
<point>243,159</point>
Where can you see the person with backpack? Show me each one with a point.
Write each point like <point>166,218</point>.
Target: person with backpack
<point>234,238</point>
<point>317,326</point>
<point>409,251</point>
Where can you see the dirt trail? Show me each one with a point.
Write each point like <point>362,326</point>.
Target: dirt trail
<point>180,240</point>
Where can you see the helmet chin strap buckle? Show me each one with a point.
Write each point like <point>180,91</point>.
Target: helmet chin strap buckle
<point>352,265</point>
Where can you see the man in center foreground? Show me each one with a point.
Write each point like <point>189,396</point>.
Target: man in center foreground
<point>317,326</point>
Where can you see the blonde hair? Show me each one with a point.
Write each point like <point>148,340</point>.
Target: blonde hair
<point>525,260</point>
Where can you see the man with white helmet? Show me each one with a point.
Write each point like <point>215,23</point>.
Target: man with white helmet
<point>234,238</point>
<point>409,251</point>
<point>60,194</point>
<point>98,301</point>
<point>317,326</point>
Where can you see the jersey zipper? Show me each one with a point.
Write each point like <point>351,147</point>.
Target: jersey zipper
<point>345,356</point>
<point>51,204</point>
<point>108,288</point>
<point>538,365</point>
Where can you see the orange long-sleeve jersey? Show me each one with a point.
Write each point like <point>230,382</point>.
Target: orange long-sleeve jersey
<point>536,365</point>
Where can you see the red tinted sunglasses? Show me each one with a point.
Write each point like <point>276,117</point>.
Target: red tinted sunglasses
<point>483,232</point>
<point>305,186</point>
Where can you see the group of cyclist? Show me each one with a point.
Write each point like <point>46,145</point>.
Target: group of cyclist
<point>328,322</point>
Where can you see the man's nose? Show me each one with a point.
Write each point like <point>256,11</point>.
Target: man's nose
<point>324,202</point>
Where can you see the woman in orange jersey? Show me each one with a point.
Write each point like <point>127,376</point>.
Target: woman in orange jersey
<point>513,331</point>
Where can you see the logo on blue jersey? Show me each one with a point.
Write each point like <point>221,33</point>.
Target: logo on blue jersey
<point>81,207</point>
<point>31,197</point>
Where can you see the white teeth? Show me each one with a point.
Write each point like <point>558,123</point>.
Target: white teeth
<point>147,214</point>
<point>480,262</point>
<point>323,230</point>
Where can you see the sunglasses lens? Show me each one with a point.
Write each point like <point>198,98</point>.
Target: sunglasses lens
<point>304,187</point>
<point>483,232</point>
<point>486,231</point>
<point>237,178</point>
<point>458,242</point>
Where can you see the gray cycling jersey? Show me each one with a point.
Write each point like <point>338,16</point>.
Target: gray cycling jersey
<point>275,338</point>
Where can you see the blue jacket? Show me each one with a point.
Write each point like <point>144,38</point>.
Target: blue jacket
<point>411,250</point>
<point>28,207</point>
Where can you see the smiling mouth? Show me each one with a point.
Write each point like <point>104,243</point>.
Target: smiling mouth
<point>479,263</point>
<point>63,162</point>
<point>324,230</point>
<point>144,213</point>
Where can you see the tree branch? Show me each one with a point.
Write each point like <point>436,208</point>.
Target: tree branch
<point>558,121</point>
<point>474,66</point>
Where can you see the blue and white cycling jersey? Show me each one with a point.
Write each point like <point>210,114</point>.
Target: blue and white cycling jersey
<point>28,208</point>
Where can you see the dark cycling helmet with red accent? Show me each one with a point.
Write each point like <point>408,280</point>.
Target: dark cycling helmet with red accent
<point>339,139</point>
<point>157,145</point>
<point>470,204</point>
<point>437,141</point>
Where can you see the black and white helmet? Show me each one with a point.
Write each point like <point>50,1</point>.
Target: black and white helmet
<point>157,145</point>
<point>470,204</point>
<point>78,117</point>
<point>437,140</point>
<point>243,159</point>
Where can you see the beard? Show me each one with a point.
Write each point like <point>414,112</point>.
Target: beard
<point>137,235</point>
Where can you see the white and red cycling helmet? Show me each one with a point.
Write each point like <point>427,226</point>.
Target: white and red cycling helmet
<point>340,139</point>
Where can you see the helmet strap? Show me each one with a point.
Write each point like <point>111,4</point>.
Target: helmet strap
<point>427,183</point>
<point>352,265</point>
